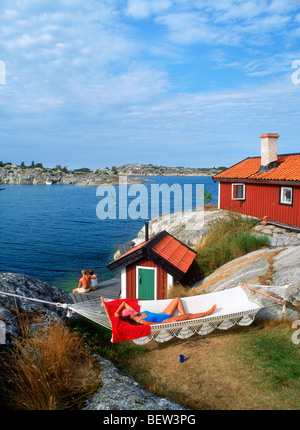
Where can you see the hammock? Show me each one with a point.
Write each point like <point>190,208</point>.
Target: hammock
<point>238,305</point>
<point>233,307</point>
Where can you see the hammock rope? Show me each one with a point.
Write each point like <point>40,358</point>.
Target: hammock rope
<point>241,302</point>
<point>62,305</point>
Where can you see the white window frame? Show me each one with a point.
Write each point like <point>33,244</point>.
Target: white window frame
<point>244,192</point>
<point>285,202</point>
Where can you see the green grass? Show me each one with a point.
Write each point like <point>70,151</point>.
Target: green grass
<point>275,362</point>
<point>98,339</point>
<point>228,239</point>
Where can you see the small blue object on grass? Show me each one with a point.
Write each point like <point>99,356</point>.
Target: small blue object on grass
<point>181,358</point>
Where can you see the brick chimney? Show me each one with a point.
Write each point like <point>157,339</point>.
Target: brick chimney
<point>268,151</point>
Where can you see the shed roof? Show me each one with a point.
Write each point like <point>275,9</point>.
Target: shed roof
<point>164,250</point>
<point>288,170</point>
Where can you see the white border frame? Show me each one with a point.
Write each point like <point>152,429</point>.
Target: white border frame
<point>137,279</point>
<point>281,195</point>
<point>244,192</point>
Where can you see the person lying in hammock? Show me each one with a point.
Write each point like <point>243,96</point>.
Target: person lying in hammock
<point>148,318</point>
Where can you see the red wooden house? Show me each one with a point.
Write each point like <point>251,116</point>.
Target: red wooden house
<point>265,186</point>
<point>148,269</point>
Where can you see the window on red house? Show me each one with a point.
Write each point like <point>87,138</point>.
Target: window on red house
<point>238,192</point>
<point>286,195</point>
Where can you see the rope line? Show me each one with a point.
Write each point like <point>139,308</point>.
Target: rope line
<point>62,305</point>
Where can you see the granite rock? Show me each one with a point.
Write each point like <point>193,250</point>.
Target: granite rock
<point>23,285</point>
<point>119,391</point>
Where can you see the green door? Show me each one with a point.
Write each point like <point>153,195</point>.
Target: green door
<point>146,284</point>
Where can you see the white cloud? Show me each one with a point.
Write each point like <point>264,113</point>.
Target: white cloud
<point>26,41</point>
<point>140,9</point>
<point>229,23</point>
<point>264,65</point>
<point>189,28</point>
<point>138,85</point>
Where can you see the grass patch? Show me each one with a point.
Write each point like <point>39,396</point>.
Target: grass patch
<point>274,361</point>
<point>46,370</point>
<point>98,339</point>
<point>228,239</point>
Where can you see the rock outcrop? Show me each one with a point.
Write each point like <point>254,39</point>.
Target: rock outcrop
<point>191,227</point>
<point>280,266</point>
<point>152,170</point>
<point>120,391</point>
<point>36,312</point>
<point>270,267</point>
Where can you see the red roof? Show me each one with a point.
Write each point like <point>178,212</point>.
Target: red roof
<point>288,169</point>
<point>164,249</point>
<point>175,252</point>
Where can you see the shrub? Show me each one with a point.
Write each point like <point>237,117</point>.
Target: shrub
<point>228,239</point>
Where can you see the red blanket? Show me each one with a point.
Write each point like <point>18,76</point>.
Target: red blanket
<point>123,330</point>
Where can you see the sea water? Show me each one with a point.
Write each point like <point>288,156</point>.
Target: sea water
<point>53,232</point>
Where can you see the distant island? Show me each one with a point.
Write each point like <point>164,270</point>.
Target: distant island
<point>37,174</point>
<point>152,170</point>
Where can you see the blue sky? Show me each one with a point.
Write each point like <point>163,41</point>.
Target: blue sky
<point>192,83</point>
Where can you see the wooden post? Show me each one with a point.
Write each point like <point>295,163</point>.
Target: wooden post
<point>264,294</point>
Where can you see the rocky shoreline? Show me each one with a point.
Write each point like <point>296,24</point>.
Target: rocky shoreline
<point>12,174</point>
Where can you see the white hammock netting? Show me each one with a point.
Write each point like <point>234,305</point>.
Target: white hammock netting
<point>237,305</point>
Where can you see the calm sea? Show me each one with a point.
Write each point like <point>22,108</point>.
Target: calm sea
<point>52,232</point>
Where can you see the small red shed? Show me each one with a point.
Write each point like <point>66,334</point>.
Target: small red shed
<point>266,186</point>
<point>148,269</point>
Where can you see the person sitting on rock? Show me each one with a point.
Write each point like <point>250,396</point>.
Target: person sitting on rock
<point>93,280</point>
<point>84,284</point>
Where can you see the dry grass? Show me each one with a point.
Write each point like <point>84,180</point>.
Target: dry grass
<point>179,290</point>
<point>44,370</point>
